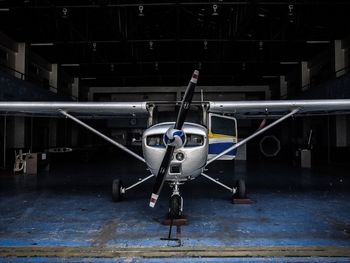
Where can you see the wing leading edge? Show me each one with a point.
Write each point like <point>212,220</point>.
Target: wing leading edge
<point>239,108</point>
<point>95,109</point>
<point>280,107</point>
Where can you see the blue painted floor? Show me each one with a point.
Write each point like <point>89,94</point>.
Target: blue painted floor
<point>71,206</point>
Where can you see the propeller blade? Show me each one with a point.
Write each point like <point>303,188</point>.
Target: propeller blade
<point>163,169</point>
<point>186,101</point>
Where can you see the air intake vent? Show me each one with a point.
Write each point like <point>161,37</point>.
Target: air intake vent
<point>175,169</point>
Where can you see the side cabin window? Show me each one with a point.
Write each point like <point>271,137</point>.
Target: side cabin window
<point>222,135</point>
<point>223,126</point>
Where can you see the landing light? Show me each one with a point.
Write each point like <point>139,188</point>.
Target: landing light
<point>180,156</point>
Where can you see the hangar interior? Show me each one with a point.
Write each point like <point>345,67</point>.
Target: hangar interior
<point>120,51</point>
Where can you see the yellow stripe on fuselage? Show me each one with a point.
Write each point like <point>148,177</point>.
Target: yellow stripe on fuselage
<point>219,136</point>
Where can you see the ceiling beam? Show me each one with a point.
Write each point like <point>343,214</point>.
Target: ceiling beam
<point>158,4</point>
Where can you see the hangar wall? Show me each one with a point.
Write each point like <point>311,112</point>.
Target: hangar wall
<point>25,75</point>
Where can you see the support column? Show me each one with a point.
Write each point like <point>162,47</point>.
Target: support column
<point>339,58</point>
<point>16,130</point>
<point>75,89</point>
<point>20,60</point>
<point>306,128</point>
<point>54,78</point>
<point>342,136</point>
<point>283,87</point>
<point>52,133</point>
<point>305,76</point>
<point>178,95</point>
<point>4,141</point>
<point>74,135</point>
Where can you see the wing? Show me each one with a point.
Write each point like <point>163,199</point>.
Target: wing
<point>79,109</point>
<point>251,109</point>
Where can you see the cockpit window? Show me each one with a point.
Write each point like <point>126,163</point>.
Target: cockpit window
<point>155,140</point>
<point>193,140</point>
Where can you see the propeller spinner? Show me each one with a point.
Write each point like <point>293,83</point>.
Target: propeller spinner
<point>174,138</point>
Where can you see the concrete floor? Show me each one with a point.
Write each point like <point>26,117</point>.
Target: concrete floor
<point>71,207</point>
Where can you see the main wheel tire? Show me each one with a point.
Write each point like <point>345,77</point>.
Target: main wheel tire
<point>241,189</point>
<point>117,194</point>
<point>175,206</point>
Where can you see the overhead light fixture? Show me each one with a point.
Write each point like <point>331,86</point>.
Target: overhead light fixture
<point>150,43</point>
<point>262,12</point>
<point>205,44</point>
<point>64,12</point>
<point>201,15</point>
<point>88,78</point>
<point>141,11</point>
<point>41,44</point>
<point>70,65</point>
<point>289,62</point>
<point>215,10</point>
<point>4,9</point>
<point>290,13</point>
<point>261,46</point>
<point>318,42</point>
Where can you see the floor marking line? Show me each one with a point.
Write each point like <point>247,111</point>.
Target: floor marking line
<point>160,252</point>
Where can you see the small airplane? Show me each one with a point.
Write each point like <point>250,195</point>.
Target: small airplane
<point>176,152</point>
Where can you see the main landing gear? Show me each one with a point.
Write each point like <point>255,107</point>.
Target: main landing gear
<point>118,191</point>
<point>240,190</point>
<point>239,195</point>
<point>176,201</point>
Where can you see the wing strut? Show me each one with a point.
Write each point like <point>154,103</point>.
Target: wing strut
<point>253,135</point>
<point>101,135</point>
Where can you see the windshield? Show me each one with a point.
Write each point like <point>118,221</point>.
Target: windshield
<point>193,140</point>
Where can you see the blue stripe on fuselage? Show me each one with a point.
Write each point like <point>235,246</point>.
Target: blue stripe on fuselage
<point>217,148</point>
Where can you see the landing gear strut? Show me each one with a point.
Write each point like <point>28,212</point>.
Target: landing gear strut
<point>239,195</point>
<point>118,189</point>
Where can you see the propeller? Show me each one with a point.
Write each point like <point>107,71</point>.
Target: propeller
<point>174,138</point>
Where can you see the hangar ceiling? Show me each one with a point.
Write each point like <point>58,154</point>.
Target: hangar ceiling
<point>150,43</point>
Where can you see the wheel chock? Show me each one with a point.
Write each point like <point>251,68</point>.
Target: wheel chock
<point>175,221</point>
<point>242,201</point>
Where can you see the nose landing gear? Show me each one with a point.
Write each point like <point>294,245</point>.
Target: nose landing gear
<point>175,215</point>
<point>175,203</point>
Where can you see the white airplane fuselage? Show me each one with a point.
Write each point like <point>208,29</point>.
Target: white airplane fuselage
<point>187,161</point>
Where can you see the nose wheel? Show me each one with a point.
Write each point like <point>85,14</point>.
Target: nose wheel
<point>175,206</point>
<point>175,202</point>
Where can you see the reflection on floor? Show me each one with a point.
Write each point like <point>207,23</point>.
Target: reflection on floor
<point>71,206</point>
